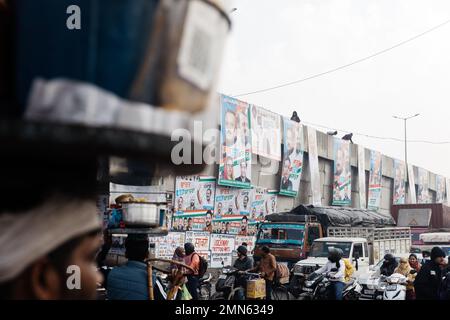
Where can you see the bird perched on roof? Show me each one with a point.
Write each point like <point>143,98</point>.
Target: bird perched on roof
<point>348,137</point>
<point>295,117</point>
<point>332,133</point>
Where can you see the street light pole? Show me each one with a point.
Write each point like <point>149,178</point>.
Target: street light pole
<point>406,141</point>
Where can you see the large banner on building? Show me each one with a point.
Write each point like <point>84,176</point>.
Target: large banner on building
<point>292,166</point>
<point>399,182</point>
<point>342,192</point>
<point>440,189</point>
<point>266,133</point>
<point>243,199</point>
<point>271,202</point>
<point>206,189</point>
<point>235,144</point>
<point>313,157</point>
<point>186,188</point>
<point>375,176</point>
<point>225,202</point>
<point>423,194</point>
<point>362,177</point>
<point>411,185</point>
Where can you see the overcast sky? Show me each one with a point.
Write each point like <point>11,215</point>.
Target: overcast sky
<point>274,42</point>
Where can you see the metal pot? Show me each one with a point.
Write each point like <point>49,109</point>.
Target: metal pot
<point>140,214</point>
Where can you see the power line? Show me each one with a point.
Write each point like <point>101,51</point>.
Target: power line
<point>377,137</point>
<point>345,65</point>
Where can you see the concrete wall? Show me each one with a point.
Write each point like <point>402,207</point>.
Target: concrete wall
<point>262,177</point>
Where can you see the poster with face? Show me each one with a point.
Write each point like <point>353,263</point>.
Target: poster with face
<point>258,209</point>
<point>423,195</point>
<point>231,225</point>
<point>292,165</point>
<point>313,159</point>
<point>190,221</point>
<point>243,201</point>
<point>270,202</point>
<point>342,173</point>
<point>249,240</point>
<point>399,182</point>
<point>165,246</point>
<point>266,133</point>
<point>221,247</point>
<point>118,244</point>
<point>206,189</point>
<point>235,146</point>
<point>225,202</point>
<point>440,189</point>
<point>374,198</point>
<point>186,194</point>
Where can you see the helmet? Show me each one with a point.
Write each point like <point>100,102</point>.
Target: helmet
<point>334,254</point>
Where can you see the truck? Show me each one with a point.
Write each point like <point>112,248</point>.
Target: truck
<point>290,235</point>
<point>362,246</point>
<point>421,218</point>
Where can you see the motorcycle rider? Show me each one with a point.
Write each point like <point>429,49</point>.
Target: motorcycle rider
<point>389,265</point>
<point>334,262</point>
<point>242,264</point>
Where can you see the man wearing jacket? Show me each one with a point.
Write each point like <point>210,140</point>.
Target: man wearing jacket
<point>429,278</point>
<point>130,281</point>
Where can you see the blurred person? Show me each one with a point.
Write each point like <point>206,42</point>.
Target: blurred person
<point>130,281</point>
<point>349,270</point>
<point>405,270</point>
<point>413,262</point>
<point>192,259</point>
<point>429,278</point>
<point>335,269</point>
<point>228,173</point>
<point>389,265</point>
<point>208,222</point>
<point>243,263</point>
<point>267,267</point>
<point>178,255</point>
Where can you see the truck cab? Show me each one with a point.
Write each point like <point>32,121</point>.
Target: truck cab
<point>354,249</point>
<point>289,242</point>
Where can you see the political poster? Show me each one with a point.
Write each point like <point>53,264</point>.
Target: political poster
<point>375,176</point>
<point>190,221</point>
<point>362,176</point>
<point>186,196</point>
<point>342,192</point>
<point>258,204</point>
<point>206,188</point>
<point>423,194</point>
<point>220,260</point>
<point>221,247</point>
<point>271,198</point>
<point>266,133</point>
<point>118,244</point>
<point>225,201</point>
<point>249,240</point>
<point>243,200</point>
<point>292,166</point>
<point>165,246</point>
<point>237,225</point>
<point>313,160</point>
<point>399,182</point>
<point>411,185</point>
<point>199,239</point>
<point>440,189</point>
<point>235,144</point>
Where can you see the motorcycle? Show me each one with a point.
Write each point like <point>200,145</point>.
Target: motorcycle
<point>226,288</point>
<point>318,287</point>
<point>204,287</point>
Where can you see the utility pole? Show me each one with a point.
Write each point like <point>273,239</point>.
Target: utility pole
<point>405,119</point>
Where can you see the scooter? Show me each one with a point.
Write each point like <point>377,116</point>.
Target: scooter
<point>395,287</point>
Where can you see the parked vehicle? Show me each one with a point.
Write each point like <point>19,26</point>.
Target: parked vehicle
<point>421,218</point>
<point>204,287</point>
<point>290,235</point>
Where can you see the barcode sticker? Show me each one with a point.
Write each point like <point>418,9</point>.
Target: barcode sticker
<point>202,44</point>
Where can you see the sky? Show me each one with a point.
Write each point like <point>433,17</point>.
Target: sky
<point>274,42</point>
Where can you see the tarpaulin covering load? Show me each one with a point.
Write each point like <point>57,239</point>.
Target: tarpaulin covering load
<point>345,217</point>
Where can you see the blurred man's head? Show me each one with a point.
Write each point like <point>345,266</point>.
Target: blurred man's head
<point>230,127</point>
<point>189,248</point>
<point>286,168</point>
<point>244,223</point>
<point>265,251</point>
<point>190,223</point>
<point>437,255</point>
<point>208,194</point>
<point>245,201</point>
<point>208,218</point>
<point>136,247</point>
<point>243,166</point>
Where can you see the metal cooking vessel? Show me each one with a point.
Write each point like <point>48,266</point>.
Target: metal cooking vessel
<point>140,214</point>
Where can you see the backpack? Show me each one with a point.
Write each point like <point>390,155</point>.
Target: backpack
<point>203,266</point>
<point>282,274</point>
